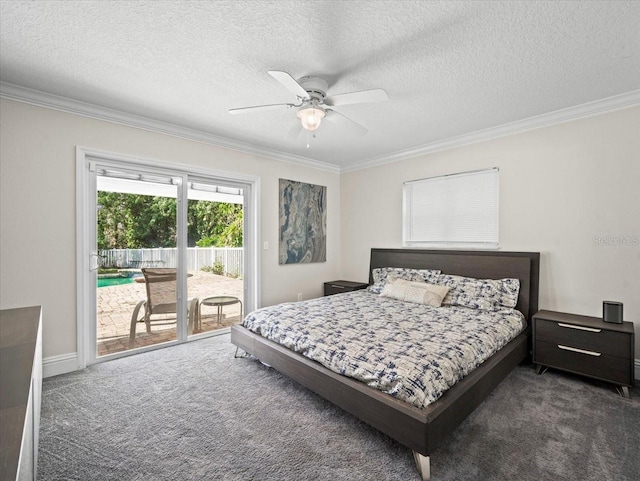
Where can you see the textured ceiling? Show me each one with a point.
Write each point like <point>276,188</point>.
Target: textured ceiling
<point>450,68</point>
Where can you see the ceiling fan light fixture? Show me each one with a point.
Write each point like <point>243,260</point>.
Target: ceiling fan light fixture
<point>311,117</point>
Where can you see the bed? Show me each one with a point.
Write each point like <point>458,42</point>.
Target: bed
<point>421,429</point>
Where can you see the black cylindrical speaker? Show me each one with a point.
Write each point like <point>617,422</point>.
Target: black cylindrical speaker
<point>612,312</point>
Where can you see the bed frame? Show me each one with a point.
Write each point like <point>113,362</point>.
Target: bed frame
<point>421,430</point>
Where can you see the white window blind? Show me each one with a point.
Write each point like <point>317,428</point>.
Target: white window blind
<point>458,210</point>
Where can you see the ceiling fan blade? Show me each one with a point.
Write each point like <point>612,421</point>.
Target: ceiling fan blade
<point>294,131</point>
<point>361,97</point>
<point>353,125</point>
<point>242,110</point>
<point>290,83</point>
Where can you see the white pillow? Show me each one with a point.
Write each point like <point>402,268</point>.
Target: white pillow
<point>417,292</point>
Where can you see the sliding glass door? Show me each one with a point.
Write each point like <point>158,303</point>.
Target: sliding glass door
<point>215,254</point>
<point>163,256</point>
<point>136,244</point>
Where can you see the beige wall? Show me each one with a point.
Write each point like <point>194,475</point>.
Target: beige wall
<point>562,189</point>
<point>38,209</point>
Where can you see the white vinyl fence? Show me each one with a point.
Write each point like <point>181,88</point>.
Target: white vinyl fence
<point>230,259</point>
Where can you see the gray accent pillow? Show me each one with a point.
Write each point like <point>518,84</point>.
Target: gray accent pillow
<point>487,294</point>
<point>382,275</point>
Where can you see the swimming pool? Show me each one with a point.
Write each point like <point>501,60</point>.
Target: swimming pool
<point>115,281</point>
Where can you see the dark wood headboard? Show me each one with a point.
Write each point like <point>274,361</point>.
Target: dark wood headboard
<point>524,266</point>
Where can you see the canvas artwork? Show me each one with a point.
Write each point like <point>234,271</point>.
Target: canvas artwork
<point>303,222</point>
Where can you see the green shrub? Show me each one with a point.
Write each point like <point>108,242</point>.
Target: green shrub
<point>107,270</point>
<point>216,268</point>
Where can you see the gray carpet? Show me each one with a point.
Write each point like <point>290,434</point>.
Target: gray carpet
<point>193,412</point>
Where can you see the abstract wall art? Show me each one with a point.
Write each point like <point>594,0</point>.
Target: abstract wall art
<point>303,222</point>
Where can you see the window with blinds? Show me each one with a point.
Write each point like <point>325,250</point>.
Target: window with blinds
<point>457,210</point>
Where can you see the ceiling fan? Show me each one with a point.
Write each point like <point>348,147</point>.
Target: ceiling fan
<point>313,104</point>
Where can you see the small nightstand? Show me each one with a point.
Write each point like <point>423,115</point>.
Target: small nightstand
<point>584,345</point>
<point>337,287</point>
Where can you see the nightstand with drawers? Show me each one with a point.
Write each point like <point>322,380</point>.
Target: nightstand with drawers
<point>584,345</point>
<point>337,287</point>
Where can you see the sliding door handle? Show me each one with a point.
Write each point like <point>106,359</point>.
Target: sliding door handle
<point>99,261</point>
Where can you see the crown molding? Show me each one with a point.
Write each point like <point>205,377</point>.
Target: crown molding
<point>616,102</point>
<point>85,109</point>
<point>64,104</point>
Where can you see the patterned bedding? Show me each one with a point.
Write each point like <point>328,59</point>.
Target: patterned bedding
<point>411,351</point>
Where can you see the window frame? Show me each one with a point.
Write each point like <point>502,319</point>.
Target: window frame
<point>410,222</point>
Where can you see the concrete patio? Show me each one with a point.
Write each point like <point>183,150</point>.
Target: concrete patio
<point>115,305</point>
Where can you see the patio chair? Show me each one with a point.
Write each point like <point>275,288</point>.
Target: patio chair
<point>161,299</point>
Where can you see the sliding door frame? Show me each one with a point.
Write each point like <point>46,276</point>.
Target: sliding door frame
<point>86,221</point>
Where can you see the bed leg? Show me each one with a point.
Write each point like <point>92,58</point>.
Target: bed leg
<point>423,465</point>
<point>236,353</point>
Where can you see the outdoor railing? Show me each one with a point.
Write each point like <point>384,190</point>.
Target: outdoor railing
<point>228,260</point>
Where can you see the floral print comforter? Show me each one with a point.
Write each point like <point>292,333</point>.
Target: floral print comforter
<point>411,351</point>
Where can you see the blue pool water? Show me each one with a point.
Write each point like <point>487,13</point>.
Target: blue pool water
<point>115,281</point>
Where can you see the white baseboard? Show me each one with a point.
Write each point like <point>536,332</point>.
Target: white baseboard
<point>62,364</point>
<point>637,374</point>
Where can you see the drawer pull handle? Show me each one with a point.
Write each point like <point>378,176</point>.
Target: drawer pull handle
<point>580,328</point>
<point>581,351</point>
<point>338,287</point>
